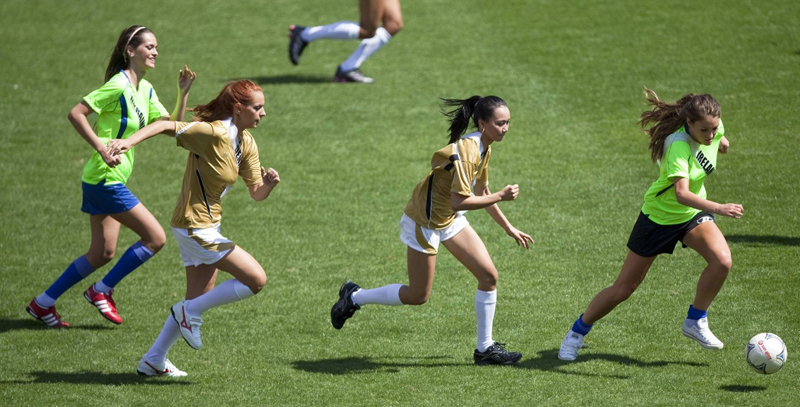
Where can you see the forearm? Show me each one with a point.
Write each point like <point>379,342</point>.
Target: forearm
<point>498,216</point>
<point>462,203</point>
<point>260,192</point>
<point>692,200</point>
<point>180,106</point>
<point>151,130</point>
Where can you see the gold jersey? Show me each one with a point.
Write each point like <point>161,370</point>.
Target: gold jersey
<point>456,168</point>
<point>216,159</point>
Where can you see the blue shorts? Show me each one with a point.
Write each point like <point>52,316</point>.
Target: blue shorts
<point>104,199</point>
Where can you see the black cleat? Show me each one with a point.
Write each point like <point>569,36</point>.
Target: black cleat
<point>351,76</point>
<point>345,307</point>
<point>296,44</point>
<point>496,355</point>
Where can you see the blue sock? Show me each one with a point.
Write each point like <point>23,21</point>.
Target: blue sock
<point>134,257</point>
<point>580,327</point>
<point>695,313</point>
<point>77,271</point>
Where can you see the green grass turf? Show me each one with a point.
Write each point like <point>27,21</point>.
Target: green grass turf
<point>349,156</point>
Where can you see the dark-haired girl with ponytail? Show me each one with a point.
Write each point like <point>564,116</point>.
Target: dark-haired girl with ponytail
<point>124,104</point>
<point>685,138</point>
<point>458,182</point>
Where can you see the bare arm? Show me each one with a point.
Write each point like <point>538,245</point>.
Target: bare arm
<point>483,198</point>
<point>687,198</point>
<point>724,145</point>
<point>79,117</point>
<point>261,191</point>
<point>121,146</point>
<point>185,79</point>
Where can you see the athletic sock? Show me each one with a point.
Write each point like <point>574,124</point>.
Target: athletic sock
<point>134,257</point>
<point>367,47</point>
<point>229,291</point>
<point>485,302</point>
<point>170,334</point>
<point>342,30</point>
<point>386,295</point>
<point>695,313</point>
<point>581,327</point>
<point>75,272</point>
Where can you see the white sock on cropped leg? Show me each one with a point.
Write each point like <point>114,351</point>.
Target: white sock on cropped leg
<point>386,295</point>
<point>485,302</point>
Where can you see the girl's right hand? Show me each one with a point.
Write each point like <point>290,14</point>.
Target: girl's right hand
<point>731,210</point>
<point>111,160</point>
<point>509,193</point>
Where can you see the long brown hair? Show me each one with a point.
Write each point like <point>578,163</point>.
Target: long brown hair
<point>666,118</point>
<point>119,57</point>
<point>221,107</point>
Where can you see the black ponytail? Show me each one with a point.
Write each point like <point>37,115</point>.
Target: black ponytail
<point>474,108</point>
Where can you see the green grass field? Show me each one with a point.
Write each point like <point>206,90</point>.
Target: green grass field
<point>349,155</point>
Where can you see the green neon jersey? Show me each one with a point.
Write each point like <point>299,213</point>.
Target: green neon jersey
<point>683,158</point>
<point>121,111</point>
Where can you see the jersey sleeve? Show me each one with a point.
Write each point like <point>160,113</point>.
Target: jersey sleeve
<point>677,160</point>
<point>250,168</point>
<point>104,98</point>
<point>462,182</point>
<point>155,109</point>
<point>197,137</point>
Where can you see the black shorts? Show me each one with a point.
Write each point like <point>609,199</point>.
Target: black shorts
<point>650,239</point>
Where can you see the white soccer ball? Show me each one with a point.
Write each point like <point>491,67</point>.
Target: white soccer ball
<point>766,353</point>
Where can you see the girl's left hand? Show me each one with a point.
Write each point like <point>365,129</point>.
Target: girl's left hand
<point>724,145</point>
<point>270,177</point>
<point>523,239</point>
<point>185,79</point>
<point>118,146</point>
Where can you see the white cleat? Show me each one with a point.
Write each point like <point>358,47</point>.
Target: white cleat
<point>570,346</point>
<point>698,330</point>
<point>189,324</point>
<point>165,368</point>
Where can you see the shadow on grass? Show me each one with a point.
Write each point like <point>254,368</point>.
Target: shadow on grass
<point>113,379</point>
<point>738,388</point>
<point>34,325</point>
<point>764,240</point>
<point>290,79</point>
<point>548,361</point>
<point>364,364</point>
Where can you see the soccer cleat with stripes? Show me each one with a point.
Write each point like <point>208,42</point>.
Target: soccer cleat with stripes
<point>104,303</point>
<point>345,307</point>
<point>188,323</point>
<point>165,368</point>
<point>47,315</point>
<point>496,355</point>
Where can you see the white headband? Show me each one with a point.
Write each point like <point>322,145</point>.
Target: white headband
<point>124,50</point>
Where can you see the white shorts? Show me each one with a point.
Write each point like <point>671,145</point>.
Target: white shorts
<point>426,240</point>
<point>202,246</point>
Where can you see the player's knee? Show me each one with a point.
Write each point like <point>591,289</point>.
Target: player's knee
<point>258,282</point>
<point>623,292</point>
<point>393,27</point>
<point>156,242</point>
<point>723,263</point>
<point>417,298</point>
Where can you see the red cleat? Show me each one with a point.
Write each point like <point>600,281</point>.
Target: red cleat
<point>47,315</point>
<point>104,303</point>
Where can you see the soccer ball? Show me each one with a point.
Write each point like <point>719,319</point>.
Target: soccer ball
<point>766,353</point>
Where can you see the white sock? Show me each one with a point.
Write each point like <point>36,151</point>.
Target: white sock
<point>386,295</point>
<point>102,288</point>
<point>367,47</point>
<point>229,291</point>
<point>170,334</point>
<point>45,301</point>
<point>343,30</point>
<point>484,311</point>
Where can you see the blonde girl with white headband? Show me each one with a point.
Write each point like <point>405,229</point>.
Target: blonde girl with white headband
<point>123,105</point>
